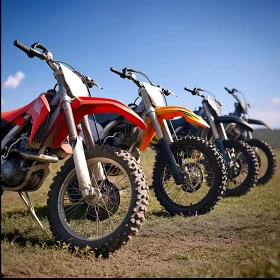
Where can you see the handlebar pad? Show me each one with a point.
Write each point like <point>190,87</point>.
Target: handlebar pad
<point>121,74</point>
<point>25,49</point>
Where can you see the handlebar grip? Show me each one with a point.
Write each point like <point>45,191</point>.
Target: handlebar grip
<point>190,90</point>
<point>25,49</point>
<point>116,71</point>
<point>228,90</point>
<point>121,74</point>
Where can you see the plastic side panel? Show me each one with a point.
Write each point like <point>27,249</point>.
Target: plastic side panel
<point>10,116</point>
<point>38,111</point>
<point>19,120</point>
<point>168,113</point>
<point>148,135</point>
<point>89,105</point>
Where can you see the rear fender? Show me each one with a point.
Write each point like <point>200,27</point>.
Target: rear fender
<point>82,106</point>
<point>168,113</point>
<point>234,119</point>
<point>252,121</point>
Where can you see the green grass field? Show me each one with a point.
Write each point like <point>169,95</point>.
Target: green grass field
<point>239,238</point>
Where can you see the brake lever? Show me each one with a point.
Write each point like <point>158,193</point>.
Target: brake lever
<point>167,91</point>
<point>90,82</point>
<point>94,83</point>
<point>170,92</point>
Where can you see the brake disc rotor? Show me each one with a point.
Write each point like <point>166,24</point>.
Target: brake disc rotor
<point>108,204</point>
<point>235,170</point>
<point>195,178</point>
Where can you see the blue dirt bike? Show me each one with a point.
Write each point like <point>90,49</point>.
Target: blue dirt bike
<point>265,153</point>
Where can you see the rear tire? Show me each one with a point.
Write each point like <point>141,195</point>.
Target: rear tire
<point>267,168</point>
<point>80,226</point>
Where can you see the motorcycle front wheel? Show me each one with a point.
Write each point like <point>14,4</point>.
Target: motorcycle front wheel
<point>110,222</point>
<point>244,170</point>
<point>207,177</point>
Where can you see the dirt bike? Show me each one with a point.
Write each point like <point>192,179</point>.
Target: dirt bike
<point>189,174</point>
<point>87,205</point>
<point>265,153</point>
<point>241,161</point>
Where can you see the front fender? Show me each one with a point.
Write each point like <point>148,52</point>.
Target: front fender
<point>82,106</point>
<point>168,113</point>
<point>234,119</point>
<point>252,121</point>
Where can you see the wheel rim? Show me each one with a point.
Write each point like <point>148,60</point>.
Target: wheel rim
<point>201,175</point>
<point>92,222</point>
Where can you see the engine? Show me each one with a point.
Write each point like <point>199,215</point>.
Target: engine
<point>12,173</point>
<point>14,166</point>
<point>121,135</point>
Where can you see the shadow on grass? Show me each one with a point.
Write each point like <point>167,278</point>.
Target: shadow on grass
<point>21,237</point>
<point>161,214</point>
<point>41,212</point>
<point>22,240</point>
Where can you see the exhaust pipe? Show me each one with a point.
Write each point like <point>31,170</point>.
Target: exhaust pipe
<point>35,156</point>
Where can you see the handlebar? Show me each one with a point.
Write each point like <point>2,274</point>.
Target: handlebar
<point>123,74</point>
<point>195,91</point>
<point>31,52</point>
<point>25,49</point>
<point>48,57</point>
<point>233,93</point>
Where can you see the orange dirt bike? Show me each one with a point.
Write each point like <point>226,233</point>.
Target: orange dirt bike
<point>189,174</point>
<point>87,204</point>
<point>265,153</point>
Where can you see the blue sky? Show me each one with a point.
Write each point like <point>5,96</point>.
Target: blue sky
<point>194,43</point>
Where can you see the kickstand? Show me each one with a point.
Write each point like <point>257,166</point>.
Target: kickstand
<point>29,205</point>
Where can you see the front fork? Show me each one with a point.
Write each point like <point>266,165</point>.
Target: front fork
<point>217,130</point>
<point>85,186</point>
<point>165,139</point>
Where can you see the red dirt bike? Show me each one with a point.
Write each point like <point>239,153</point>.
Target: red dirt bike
<point>88,205</point>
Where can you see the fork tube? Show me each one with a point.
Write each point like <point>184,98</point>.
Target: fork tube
<point>222,131</point>
<point>249,135</point>
<point>216,135</point>
<point>82,172</point>
<point>166,132</point>
<point>87,132</point>
<point>178,176</point>
<point>97,168</point>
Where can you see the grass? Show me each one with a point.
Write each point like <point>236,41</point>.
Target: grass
<point>239,238</point>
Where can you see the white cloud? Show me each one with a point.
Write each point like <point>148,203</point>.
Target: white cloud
<point>276,100</point>
<point>14,81</point>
